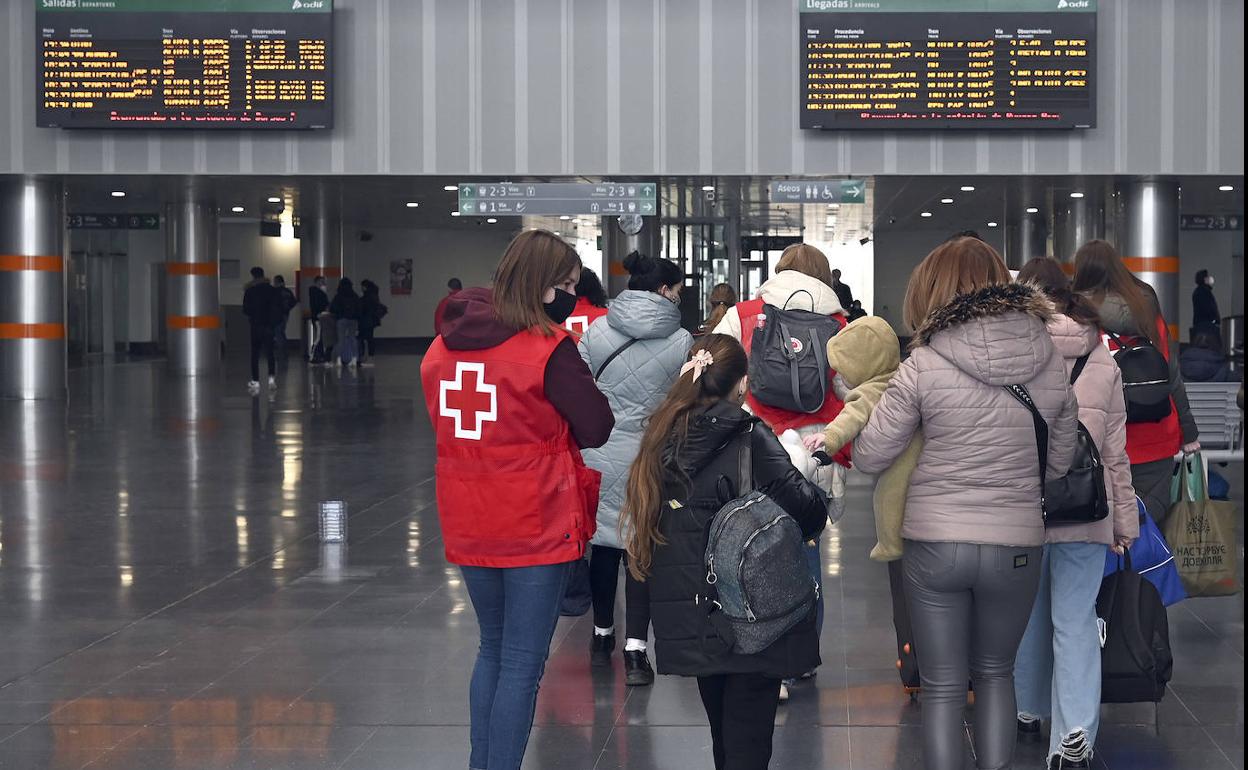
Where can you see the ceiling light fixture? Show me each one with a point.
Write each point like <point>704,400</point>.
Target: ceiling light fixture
<point>275,199</point>
<point>455,213</point>
<point>451,187</point>
<point>708,188</point>
<point>118,194</point>
<point>1076,194</point>
<point>491,220</point>
<point>967,188</point>
<point>925,213</point>
<point>564,217</point>
<point>411,204</point>
<point>834,206</point>
<point>237,209</point>
<point>1033,210</point>
<point>992,224</point>
<point>946,201</point>
<point>1226,188</point>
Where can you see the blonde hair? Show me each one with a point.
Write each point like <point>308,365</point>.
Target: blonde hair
<point>534,261</point>
<point>955,267</point>
<point>806,259</point>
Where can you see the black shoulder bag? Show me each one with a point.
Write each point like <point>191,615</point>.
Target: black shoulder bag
<point>1078,497</point>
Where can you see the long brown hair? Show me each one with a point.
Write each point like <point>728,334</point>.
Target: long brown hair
<point>1046,274</point>
<point>534,261</point>
<point>723,296</point>
<point>959,266</point>
<point>1099,271</point>
<point>667,426</point>
<point>806,259</point>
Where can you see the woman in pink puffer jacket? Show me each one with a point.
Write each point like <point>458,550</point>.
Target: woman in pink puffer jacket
<point>1058,671</point>
<point>973,530</point>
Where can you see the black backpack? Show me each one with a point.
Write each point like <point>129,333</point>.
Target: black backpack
<point>1145,379</point>
<point>1136,662</point>
<point>788,366</point>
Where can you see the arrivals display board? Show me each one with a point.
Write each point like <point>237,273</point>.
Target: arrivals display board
<point>235,64</point>
<point>939,64</point>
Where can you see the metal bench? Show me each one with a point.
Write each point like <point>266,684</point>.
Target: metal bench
<point>1219,420</point>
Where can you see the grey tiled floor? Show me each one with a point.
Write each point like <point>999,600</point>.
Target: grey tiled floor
<point>164,604</point>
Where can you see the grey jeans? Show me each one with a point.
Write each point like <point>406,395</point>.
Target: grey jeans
<point>969,605</point>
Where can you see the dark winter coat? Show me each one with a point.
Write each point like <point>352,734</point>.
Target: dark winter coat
<point>1203,365</point>
<point>318,301</point>
<point>701,475</point>
<point>371,310</point>
<point>262,304</point>
<point>1205,307</point>
<point>346,305</point>
<point>287,300</point>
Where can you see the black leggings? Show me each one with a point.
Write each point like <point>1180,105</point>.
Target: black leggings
<point>604,571</point>
<point>742,711</point>
<point>262,342</point>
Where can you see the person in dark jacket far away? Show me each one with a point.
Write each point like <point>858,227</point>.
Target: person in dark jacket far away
<point>318,303</point>
<point>287,301</point>
<point>855,311</point>
<point>262,304</point>
<point>689,454</point>
<point>512,404</point>
<point>1203,361</point>
<point>372,310</point>
<point>843,293</point>
<point>453,286</point>
<point>345,308</point>
<point>1205,315</point>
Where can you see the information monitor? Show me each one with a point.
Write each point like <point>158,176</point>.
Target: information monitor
<point>237,64</point>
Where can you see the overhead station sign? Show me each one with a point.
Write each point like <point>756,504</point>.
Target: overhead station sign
<point>112,221</point>
<point>819,191</point>
<point>557,198</point>
<point>937,64</point>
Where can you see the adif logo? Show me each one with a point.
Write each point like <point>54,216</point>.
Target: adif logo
<point>1060,3</point>
<point>1063,4</point>
<point>307,5</point>
<point>299,5</point>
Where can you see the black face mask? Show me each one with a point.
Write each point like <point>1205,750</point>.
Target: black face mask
<point>562,306</point>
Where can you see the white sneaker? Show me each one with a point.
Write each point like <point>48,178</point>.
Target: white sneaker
<point>253,386</point>
<point>784,692</point>
<point>272,381</point>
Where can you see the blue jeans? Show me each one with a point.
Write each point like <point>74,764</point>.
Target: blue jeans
<point>1058,668</point>
<point>517,608</point>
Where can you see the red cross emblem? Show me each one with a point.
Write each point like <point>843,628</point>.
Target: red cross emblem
<point>470,402</point>
<point>577,324</point>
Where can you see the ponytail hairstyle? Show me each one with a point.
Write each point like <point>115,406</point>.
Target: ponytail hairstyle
<point>652,273</point>
<point>1099,271</point>
<point>723,296</point>
<point>1046,274</point>
<point>590,287</point>
<point>664,435</point>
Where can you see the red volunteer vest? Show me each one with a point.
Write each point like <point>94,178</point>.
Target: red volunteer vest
<point>780,420</point>
<point>582,316</point>
<point>512,490</point>
<point>1151,441</point>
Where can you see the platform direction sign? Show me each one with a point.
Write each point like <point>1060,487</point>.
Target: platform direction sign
<point>112,221</point>
<point>518,199</point>
<point>819,191</point>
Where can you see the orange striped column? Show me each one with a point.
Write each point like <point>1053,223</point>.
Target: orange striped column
<point>320,255</point>
<point>193,323</point>
<point>1150,247</point>
<point>32,288</point>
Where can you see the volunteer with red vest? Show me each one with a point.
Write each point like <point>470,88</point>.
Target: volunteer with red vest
<point>512,403</point>
<point>1128,307</point>
<point>591,303</point>
<point>803,281</point>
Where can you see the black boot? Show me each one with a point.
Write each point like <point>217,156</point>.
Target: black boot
<point>1029,730</point>
<point>600,649</point>
<point>637,671</point>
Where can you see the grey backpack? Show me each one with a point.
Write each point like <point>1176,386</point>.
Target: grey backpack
<point>755,565</point>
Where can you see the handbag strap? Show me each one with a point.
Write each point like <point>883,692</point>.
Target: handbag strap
<point>745,463</point>
<point>614,354</point>
<point>794,294</point>
<point>821,359</point>
<point>1042,431</point>
<point>1080,362</point>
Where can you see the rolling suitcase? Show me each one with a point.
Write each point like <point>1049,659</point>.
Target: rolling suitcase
<point>907,663</point>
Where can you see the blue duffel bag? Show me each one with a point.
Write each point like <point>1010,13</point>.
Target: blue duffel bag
<point>1151,557</point>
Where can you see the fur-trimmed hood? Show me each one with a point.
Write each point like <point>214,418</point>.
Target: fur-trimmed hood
<point>997,334</point>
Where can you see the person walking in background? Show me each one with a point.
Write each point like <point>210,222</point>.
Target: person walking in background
<point>1058,669</point>
<point>318,303</point>
<point>453,286</point>
<point>512,403</point>
<point>1205,315</point>
<point>973,528</point>
<point>372,310</point>
<point>262,304</point>
<point>288,302</point>
<point>856,311</point>
<point>635,353</point>
<point>722,297</point>
<point>591,303</point>
<point>345,309</point>
<point>803,281</point>
<point>1128,308</point>
<point>690,452</point>
<point>842,290</point>
<point>1203,360</point>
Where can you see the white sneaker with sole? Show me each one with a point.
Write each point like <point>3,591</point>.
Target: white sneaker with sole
<point>272,382</point>
<point>784,692</point>
<point>253,386</point>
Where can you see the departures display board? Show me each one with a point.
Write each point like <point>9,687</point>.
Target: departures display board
<point>234,64</point>
<point>938,64</point>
